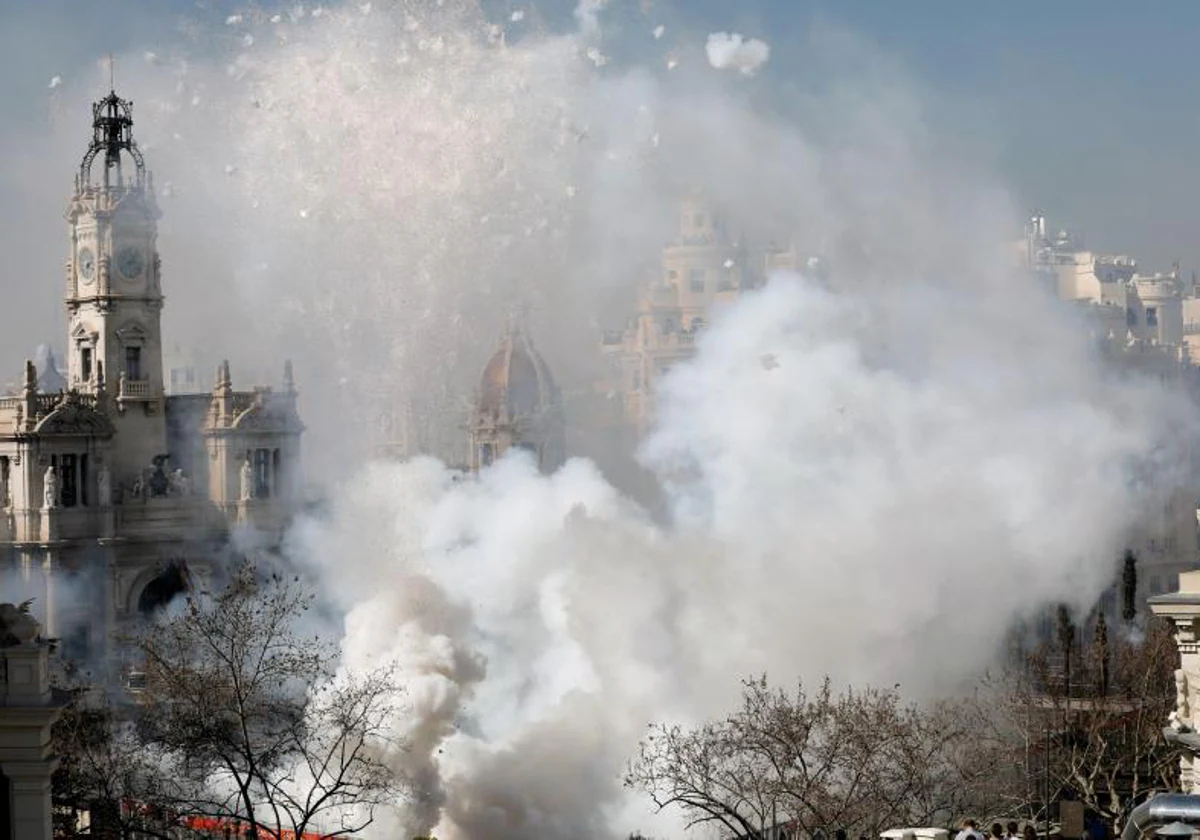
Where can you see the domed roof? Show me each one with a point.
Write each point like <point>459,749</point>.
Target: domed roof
<point>516,381</point>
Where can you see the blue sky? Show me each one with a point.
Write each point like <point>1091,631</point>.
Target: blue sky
<point>1089,110</point>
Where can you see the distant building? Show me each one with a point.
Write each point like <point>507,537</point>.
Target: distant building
<point>181,373</point>
<point>704,266</point>
<point>518,406</point>
<point>1147,324</point>
<point>108,477</point>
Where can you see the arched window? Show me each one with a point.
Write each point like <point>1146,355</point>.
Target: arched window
<point>162,590</point>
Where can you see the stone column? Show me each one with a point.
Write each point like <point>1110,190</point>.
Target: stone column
<point>29,803</point>
<point>49,570</point>
<point>1182,608</point>
<point>28,708</point>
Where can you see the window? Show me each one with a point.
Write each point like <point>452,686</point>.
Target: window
<point>698,220</point>
<point>277,470</point>
<point>672,274</point>
<point>1130,317</point>
<point>85,363</point>
<point>83,480</point>
<point>133,364</point>
<point>262,473</point>
<point>68,488</point>
<point>485,455</point>
<point>697,280</point>
<point>1151,316</point>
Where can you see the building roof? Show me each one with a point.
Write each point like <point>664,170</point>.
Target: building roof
<point>516,381</point>
<point>50,378</point>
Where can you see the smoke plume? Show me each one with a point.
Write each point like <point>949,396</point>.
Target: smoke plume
<point>746,55</point>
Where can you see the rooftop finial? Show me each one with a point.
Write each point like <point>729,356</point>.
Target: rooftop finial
<point>112,134</point>
<point>289,381</point>
<point>224,379</point>
<point>112,84</point>
<point>516,321</point>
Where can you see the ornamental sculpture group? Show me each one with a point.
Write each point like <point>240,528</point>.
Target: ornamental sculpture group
<point>17,626</point>
<point>157,484</point>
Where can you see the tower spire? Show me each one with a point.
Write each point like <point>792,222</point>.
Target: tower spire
<point>112,134</point>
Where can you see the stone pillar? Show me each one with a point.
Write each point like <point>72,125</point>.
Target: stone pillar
<point>29,802</point>
<point>49,570</point>
<point>1182,608</point>
<point>28,708</point>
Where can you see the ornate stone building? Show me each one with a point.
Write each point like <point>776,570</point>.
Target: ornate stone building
<point>109,485</point>
<point>705,265</point>
<point>518,406</point>
<point>28,708</point>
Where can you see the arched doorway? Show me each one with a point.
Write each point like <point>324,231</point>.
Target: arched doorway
<point>171,582</point>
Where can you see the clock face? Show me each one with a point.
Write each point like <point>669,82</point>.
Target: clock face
<point>130,262</point>
<point>86,263</point>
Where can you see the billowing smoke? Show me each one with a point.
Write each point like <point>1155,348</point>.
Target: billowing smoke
<point>857,492</point>
<point>868,477</point>
<point>735,52</point>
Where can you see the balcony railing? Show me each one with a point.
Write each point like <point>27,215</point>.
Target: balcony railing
<point>134,389</point>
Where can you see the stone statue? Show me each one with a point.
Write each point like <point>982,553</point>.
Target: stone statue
<point>247,477</point>
<point>181,485</point>
<point>104,486</point>
<point>50,488</point>
<point>159,484</point>
<point>17,626</point>
<point>1181,717</point>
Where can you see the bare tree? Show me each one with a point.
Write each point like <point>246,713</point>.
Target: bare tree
<point>1099,737</point>
<point>103,770</point>
<point>861,761</point>
<point>249,715</point>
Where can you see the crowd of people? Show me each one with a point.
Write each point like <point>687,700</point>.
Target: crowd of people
<point>1095,829</point>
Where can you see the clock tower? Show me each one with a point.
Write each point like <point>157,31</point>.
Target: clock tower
<point>114,299</point>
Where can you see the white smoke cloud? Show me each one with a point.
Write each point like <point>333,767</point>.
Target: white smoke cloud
<point>728,51</point>
<point>587,13</point>
<point>875,506</point>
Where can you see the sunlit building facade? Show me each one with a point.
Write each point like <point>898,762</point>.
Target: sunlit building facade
<point>116,490</point>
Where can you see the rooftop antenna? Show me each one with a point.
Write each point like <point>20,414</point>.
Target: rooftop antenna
<point>112,84</point>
